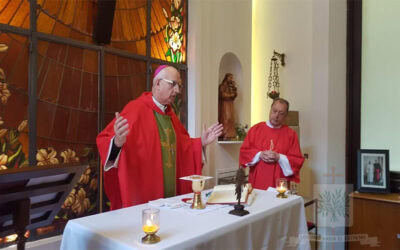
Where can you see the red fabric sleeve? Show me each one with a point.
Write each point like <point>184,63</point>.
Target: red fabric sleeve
<point>295,158</point>
<point>249,149</point>
<point>111,182</point>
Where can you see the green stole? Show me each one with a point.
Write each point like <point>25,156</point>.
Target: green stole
<point>168,152</point>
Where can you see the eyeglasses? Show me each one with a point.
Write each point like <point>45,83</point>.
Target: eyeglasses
<point>172,83</point>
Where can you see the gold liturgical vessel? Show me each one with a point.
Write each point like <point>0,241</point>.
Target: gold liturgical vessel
<point>198,182</point>
<point>197,186</point>
<point>281,187</point>
<point>151,224</point>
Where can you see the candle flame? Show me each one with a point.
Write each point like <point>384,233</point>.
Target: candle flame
<point>11,238</point>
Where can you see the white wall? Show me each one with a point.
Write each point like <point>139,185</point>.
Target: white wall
<point>217,27</point>
<point>380,78</point>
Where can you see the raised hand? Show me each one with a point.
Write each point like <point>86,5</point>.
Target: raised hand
<point>121,130</point>
<point>211,134</point>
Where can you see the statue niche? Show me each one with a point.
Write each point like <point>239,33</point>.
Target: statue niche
<point>226,113</point>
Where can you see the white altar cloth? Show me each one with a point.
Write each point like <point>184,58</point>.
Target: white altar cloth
<point>272,224</point>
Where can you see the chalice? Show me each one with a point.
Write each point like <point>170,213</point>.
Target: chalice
<point>198,182</point>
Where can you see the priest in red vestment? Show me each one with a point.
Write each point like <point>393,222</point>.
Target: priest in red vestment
<point>271,149</point>
<point>146,149</point>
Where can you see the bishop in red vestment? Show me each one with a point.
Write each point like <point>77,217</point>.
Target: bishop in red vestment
<point>271,149</point>
<point>153,148</point>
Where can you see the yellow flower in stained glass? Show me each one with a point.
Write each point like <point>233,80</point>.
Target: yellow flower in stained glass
<point>69,156</point>
<point>22,125</point>
<point>175,42</point>
<point>175,23</point>
<point>70,200</point>
<point>3,161</point>
<point>45,157</point>
<point>177,3</point>
<point>85,177</point>
<point>3,47</point>
<point>4,93</point>
<point>81,203</point>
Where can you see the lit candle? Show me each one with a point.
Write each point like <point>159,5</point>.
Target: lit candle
<point>281,188</point>
<point>150,220</point>
<point>149,227</point>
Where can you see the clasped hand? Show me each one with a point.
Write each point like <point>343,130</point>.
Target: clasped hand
<point>121,130</point>
<point>269,156</point>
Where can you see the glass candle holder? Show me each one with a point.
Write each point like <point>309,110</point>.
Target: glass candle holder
<point>293,187</point>
<point>281,187</point>
<point>151,224</point>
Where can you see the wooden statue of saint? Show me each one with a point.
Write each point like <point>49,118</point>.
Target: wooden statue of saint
<point>240,181</point>
<point>226,113</point>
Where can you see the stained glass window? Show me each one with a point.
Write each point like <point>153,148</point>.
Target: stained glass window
<point>69,19</point>
<point>125,80</point>
<point>168,30</point>
<point>130,26</point>
<point>15,13</point>
<point>14,142</point>
<point>67,120</point>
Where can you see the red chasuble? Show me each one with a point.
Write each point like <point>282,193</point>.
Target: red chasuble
<point>283,140</point>
<point>139,175</point>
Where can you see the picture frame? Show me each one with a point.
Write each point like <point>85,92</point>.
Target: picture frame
<point>373,174</point>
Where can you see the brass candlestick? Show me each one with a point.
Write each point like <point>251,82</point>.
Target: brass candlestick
<point>281,195</point>
<point>151,238</point>
<point>151,224</point>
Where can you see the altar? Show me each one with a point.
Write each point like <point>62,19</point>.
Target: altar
<point>272,224</point>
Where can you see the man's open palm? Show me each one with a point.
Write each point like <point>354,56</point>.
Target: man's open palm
<point>211,134</point>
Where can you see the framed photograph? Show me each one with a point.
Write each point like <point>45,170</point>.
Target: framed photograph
<point>373,171</point>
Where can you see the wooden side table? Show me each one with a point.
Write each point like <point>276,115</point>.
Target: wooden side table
<point>374,215</point>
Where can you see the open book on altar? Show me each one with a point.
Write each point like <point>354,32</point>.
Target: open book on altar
<point>225,194</point>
